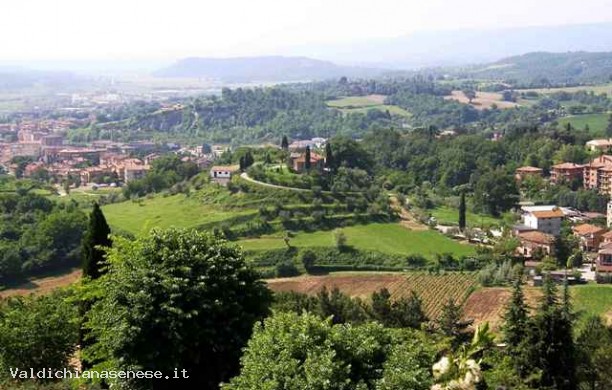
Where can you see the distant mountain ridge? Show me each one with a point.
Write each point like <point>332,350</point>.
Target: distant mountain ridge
<point>541,68</point>
<point>422,49</point>
<point>262,68</point>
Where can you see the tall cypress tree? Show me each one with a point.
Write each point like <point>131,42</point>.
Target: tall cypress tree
<point>307,159</point>
<point>515,318</point>
<point>329,156</point>
<point>284,143</point>
<point>462,212</point>
<point>97,235</point>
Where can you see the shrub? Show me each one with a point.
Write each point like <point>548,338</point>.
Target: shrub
<point>309,258</point>
<point>339,239</point>
<point>286,269</point>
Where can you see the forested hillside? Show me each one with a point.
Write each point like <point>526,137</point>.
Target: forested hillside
<point>548,69</point>
<point>304,110</point>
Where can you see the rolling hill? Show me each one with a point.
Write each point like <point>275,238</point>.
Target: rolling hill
<point>261,69</point>
<point>541,68</point>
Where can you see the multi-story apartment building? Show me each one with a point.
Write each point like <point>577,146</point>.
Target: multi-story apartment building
<point>598,174</point>
<point>567,172</point>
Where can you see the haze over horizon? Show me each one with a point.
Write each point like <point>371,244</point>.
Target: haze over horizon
<point>68,30</point>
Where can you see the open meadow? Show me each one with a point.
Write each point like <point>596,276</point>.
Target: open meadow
<point>597,122</point>
<point>446,215</point>
<point>165,211</point>
<point>361,104</point>
<point>389,238</point>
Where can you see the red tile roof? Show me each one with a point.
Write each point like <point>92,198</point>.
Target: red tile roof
<point>586,228</point>
<point>555,213</point>
<point>537,237</point>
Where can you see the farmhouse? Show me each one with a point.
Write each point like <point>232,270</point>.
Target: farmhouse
<point>546,219</point>
<point>316,162</point>
<point>534,240</point>
<point>590,236</point>
<point>221,174</point>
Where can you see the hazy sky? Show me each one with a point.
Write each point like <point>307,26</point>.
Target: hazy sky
<point>155,29</point>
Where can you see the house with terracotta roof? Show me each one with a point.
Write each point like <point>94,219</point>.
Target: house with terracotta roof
<point>599,145</point>
<point>606,238</point>
<point>524,172</point>
<point>604,258</point>
<point>317,162</point>
<point>532,241</point>
<point>590,236</point>
<point>544,220</point>
<point>566,172</point>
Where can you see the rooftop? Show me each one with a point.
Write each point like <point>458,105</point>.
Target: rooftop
<point>537,237</point>
<point>586,228</point>
<point>555,213</point>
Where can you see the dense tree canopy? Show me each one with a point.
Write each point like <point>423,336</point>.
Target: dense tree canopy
<point>176,299</point>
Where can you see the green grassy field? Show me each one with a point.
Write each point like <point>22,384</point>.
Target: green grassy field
<point>361,104</point>
<point>171,211</point>
<point>593,299</point>
<point>449,216</point>
<point>382,237</point>
<point>597,122</point>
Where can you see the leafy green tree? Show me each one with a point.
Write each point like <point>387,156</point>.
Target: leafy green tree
<point>551,352</point>
<point>496,192</point>
<point>451,323</point>
<point>340,307</point>
<point>407,312</point>
<point>175,298</point>
<point>462,211</point>
<point>381,306</point>
<point>594,354</point>
<point>37,332</point>
<point>290,351</point>
<point>309,259</point>
<point>470,94</point>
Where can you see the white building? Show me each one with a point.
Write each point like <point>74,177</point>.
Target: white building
<point>222,174</point>
<point>544,219</point>
<point>609,214</point>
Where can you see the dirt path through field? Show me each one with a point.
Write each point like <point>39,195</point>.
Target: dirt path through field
<point>407,219</point>
<point>43,285</point>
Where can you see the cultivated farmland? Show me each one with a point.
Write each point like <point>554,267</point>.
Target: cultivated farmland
<point>483,100</point>
<point>434,290</point>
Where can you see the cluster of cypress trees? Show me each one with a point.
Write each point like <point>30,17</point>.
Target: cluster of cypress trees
<point>541,346</point>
